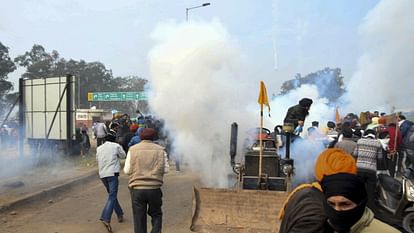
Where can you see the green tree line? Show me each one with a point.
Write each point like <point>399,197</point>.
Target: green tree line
<point>90,76</point>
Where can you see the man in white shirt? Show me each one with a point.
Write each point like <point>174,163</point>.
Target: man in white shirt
<point>108,156</point>
<point>100,131</point>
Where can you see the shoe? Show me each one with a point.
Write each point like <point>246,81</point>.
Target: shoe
<point>121,218</point>
<point>107,225</point>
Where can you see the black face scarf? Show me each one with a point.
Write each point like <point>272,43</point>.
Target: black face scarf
<point>351,187</point>
<point>342,221</point>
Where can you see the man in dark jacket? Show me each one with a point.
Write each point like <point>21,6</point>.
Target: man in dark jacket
<point>408,145</point>
<point>404,124</point>
<point>296,114</point>
<point>303,210</point>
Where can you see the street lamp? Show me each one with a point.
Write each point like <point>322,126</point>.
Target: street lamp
<point>190,8</point>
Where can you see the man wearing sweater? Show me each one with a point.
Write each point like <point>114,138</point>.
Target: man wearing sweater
<point>146,164</point>
<point>366,152</point>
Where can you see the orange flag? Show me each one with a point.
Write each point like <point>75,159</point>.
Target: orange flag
<point>337,116</point>
<point>263,100</point>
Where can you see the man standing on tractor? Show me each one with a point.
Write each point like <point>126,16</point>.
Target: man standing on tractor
<point>296,114</point>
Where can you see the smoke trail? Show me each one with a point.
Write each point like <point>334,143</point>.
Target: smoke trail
<point>384,75</point>
<point>199,87</point>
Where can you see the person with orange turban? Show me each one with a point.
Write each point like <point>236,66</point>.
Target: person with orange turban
<point>303,210</point>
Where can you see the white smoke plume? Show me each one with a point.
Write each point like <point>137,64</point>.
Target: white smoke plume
<point>199,87</point>
<point>384,78</point>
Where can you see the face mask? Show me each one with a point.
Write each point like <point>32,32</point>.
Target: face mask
<point>342,221</point>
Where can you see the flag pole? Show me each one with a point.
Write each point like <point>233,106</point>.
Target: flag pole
<point>261,100</point>
<point>261,144</point>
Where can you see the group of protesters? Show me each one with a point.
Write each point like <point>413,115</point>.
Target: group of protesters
<point>387,135</point>
<point>146,162</point>
<point>335,202</point>
<point>342,198</point>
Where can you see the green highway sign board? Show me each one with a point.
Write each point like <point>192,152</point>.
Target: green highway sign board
<point>116,96</point>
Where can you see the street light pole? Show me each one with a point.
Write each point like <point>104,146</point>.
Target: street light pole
<point>190,8</point>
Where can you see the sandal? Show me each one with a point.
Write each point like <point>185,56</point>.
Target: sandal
<point>107,225</point>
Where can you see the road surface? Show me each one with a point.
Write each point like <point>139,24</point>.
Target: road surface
<point>78,210</point>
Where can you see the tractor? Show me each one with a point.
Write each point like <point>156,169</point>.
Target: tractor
<point>263,182</point>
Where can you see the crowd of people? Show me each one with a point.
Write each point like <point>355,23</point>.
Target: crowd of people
<point>142,144</point>
<point>343,196</point>
<point>390,138</point>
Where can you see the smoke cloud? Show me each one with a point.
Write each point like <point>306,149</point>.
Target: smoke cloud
<point>199,87</point>
<point>384,79</point>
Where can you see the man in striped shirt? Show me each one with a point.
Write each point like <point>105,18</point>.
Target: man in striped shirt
<point>366,152</point>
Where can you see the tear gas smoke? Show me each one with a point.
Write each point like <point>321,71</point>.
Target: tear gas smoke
<point>383,80</point>
<point>304,153</point>
<point>199,88</point>
<point>32,168</point>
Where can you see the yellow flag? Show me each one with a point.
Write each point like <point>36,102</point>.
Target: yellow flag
<point>337,116</point>
<point>263,96</point>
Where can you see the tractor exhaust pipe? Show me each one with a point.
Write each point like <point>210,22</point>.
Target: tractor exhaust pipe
<point>233,143</point>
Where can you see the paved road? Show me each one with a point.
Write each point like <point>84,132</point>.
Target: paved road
<point>78,210</point>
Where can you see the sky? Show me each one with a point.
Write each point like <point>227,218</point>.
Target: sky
<point>281,37</point>
<point>204,74</point>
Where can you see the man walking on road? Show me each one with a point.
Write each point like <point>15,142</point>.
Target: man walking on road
<point>100,131</point>
<point>108,156</point>
<point>146,165</point>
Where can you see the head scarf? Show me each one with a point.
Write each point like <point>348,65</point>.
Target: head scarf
<point>305,102</point>
<point>344,184</point>
<point>148,134</point>
<point>332,161</point>
<point>351,187</point>
<point>110,137</point>
<point>133,128</point>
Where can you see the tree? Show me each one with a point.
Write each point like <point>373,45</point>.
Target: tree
<point>90,77</point>
<point>328,81</point>
<point>6,66</point>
